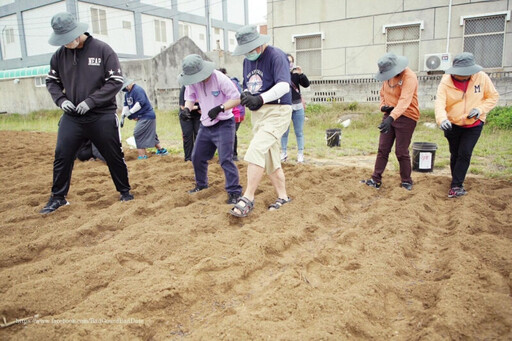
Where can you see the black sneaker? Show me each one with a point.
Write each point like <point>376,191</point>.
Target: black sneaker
<point>126,196</point>
<point>372,183</point>
<point>233,198</point>
<point>197,189</point>
<point>53,204</point>
<point>406,185</point>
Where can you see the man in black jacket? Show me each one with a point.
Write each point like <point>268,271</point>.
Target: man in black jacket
<point>84,78</point>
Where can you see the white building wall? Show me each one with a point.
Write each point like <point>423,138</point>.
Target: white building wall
<point>10,49</point>
<point>151,46</point>
<point>197,33</point>
<point>232,41</point>
<point>122,40</point>
<point>38,28</point>
<point>217,34</point>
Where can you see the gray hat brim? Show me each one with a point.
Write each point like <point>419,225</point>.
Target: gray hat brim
<point>246,48</point>
<point>127,81</point>
<point>464,70</point>
<point>63,39</point>
<point>401,64</point>
<point>206,72</point>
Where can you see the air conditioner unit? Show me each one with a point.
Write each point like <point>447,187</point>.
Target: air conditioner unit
<point>437,62</point>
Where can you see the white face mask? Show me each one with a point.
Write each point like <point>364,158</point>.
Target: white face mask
<point>74,44</point>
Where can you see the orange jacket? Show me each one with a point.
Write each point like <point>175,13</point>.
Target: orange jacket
<point>454,104</point>
<point>401,93</point>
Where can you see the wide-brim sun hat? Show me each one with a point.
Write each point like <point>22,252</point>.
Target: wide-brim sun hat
<point>126,82</point>
<point>194,70</point>
<point>390,65</point>
<point>65,29</point>
<point>248,38</point>
<point>464,65</point>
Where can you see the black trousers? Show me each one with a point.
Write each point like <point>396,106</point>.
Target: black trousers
<point>104,134</point>
<point>235,152</point>
<point>462,141</point>
<point>189,129</point>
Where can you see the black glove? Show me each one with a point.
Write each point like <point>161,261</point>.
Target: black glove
<point>185,114</point>
<point>214,112</point>
<point>386,125</point>
<point>251,101</point>
<point>386,108</point>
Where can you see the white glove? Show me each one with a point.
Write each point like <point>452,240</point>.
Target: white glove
<point>67,106</point>
<point>446,125</point>
<point>82,108</point>
<point>475,112</point>
<point>126,111</point>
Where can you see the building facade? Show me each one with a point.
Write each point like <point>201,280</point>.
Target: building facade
<point>340,39</point>
<point>135,29</point>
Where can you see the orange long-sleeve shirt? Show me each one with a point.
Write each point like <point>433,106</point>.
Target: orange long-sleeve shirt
<point>402,93</point>
<point>454,104</point>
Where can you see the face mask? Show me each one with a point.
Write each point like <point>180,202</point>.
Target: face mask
<point>252,56</point>
<point>292,66</point>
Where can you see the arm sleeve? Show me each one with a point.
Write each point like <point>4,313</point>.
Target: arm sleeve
<point>440,103</point>
<point>54,84</point>
<point>491,96</point>
<point>136,107</point>
<point>409,86</point>
<point>181,100</point>
<point>276,92</point>
<point>304,81</point>
<point>382,99</point>
<point>113,80</point>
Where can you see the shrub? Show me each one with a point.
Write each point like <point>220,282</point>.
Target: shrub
<point>500,117</point>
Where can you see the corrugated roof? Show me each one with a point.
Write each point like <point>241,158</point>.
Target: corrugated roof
<point>25,72</point>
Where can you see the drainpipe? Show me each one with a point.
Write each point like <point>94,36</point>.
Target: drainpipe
<point>449,26</point>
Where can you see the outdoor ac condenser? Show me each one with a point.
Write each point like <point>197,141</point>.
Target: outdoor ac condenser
<point>437,62</point>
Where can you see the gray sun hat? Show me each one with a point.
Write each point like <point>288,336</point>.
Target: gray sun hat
<point>195,70</point>
<point>248,38</point>
<point>127,81</point>
<point>464,65</point>
<point>65,29</point>
<point>390,65</point>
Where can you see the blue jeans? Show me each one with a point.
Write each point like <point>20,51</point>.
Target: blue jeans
<point>298,127</point>
<point>221,137</point>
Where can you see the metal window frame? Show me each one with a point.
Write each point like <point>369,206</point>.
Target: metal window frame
<point>420,24</point>
<point>310,35</point>
<point>505,14</point>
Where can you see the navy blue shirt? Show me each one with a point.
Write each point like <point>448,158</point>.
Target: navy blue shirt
<point>137,94</point>
<point>269,69</point>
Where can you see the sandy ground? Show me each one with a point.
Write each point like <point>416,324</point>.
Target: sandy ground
<point>341,261</point>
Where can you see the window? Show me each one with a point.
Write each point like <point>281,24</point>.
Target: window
<point>404,40</point>
<point>127,25</point>
<point>99,21</point>
<point>308,53</point>
<point>184,30</point>
<point>160,32</point>
<point>9,35</point>
<point>40,81</point>
<point>485,38</point>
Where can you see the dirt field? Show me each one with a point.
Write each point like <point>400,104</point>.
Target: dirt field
<point>341,261</point>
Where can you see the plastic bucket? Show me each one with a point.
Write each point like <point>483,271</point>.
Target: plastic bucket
<point>333,137</point>
<point>423,155</point>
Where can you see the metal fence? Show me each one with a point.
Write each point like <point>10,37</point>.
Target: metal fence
<point>405,41</point>
<point>308,54</point>
<point>485,38</point>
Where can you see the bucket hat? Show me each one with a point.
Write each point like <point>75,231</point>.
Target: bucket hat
<point>390,65</point>
<point>464,65</point>
<point>195,70</point>
<point>65,29</point>
<point>127,81</point>
<point>248,38</point>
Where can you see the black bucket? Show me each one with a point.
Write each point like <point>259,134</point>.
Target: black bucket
<point>333,137</point>
<point>423,155</point>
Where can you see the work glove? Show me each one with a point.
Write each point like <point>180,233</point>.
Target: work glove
<point>386,108</point>
<point>475,112</point>
<point>446,125</point>
<point>67,106</point>
<point>185,114</point>
<point>253,102</point>
<point>82,108</point>
<point>126,111</point>
<point>214,112</point>
<point>386,125</point>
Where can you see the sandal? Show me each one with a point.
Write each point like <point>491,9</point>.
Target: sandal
<point>244,210</point>
<point>279,202</point>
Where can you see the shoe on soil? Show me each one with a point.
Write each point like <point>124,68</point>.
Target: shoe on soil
<point>456,192</point>
<point>233,198</point>
<point>300,158</point>
<point>284,157</point>
<point>197,189</point>
<point>406,185</point>
<point>142,157</point>
<point>53,204</point>
<point>162,152</point>
<point>372,183</point>
<point>126,196</point>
